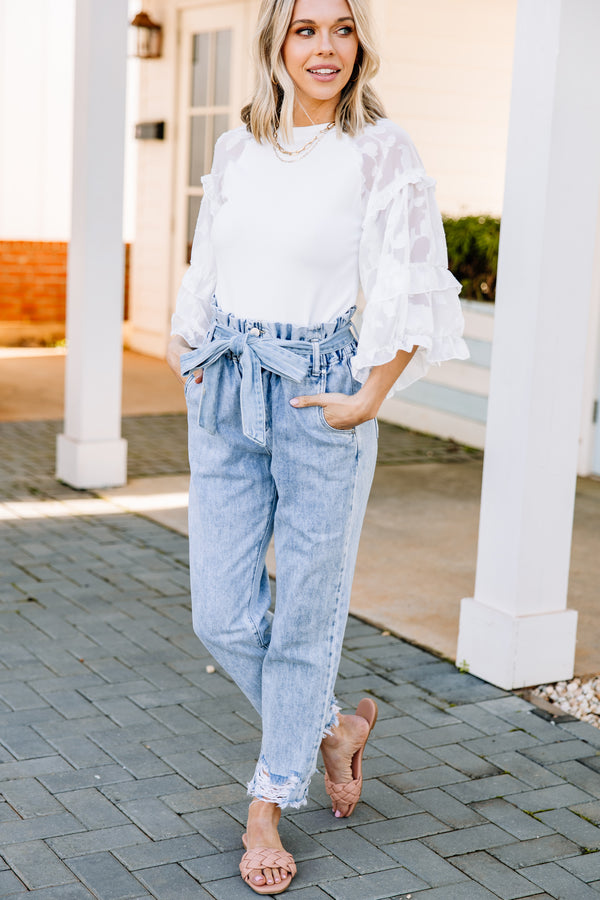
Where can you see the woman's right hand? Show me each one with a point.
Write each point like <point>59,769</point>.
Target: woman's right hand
<point>175,348</point>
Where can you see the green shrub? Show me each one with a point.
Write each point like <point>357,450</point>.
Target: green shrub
<point>473,254</point>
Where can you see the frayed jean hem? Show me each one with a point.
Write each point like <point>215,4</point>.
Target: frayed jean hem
<point>284,790</point>
<point>287,790</point>
<point>334,719</point>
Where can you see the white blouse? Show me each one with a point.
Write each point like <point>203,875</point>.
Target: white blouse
<point>294,242</point>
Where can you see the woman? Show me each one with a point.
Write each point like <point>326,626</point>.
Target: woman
<point>316,194</point>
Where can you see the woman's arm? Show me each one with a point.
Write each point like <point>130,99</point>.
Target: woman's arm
<point>192,316</point>
<point>344,411</point>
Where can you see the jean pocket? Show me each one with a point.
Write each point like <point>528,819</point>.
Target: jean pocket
<point>323,421</point>
<point>335,379</point>
<point>188,382</point>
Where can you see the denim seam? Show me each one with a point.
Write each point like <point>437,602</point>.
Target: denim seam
<point>265,540</point>
<point>332,670</point>
<point>301,787</point>
<point>188,382</point>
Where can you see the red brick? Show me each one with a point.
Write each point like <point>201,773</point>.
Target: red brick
<point>33,280</point>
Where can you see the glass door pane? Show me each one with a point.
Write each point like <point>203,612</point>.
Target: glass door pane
<point>209,112</point>
<point>200,55</point>
<point>222,67</point>
<point>197,150</point>
<point>220,126</point>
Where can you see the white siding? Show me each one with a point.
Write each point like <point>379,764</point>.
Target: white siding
<point>36,121</point>
<point>446,78</point>
<point>36,100</point>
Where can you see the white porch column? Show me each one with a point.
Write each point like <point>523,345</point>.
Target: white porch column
<point>91,452</point>
<point>516,631</point>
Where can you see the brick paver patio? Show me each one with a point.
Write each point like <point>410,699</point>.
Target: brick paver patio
<point>123,760</point>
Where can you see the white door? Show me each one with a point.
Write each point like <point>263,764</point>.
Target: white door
<point>211,70</point>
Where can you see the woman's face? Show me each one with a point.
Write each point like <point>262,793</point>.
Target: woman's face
<point>319,53</point>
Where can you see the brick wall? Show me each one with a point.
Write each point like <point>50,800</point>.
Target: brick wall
<point>33,281</point>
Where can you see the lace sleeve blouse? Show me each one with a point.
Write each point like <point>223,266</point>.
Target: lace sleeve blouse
<point>294,242</point>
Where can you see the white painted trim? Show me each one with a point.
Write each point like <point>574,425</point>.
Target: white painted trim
<point>516,651</point>
<point>91,464</point>
<point>463,404</point>
<point>478,325</point>
<point>432,421</point>
<point>142,341</point>
<point>461,376</point>
<point>480,352</point>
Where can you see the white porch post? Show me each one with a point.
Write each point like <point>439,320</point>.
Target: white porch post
<point>91,452</point>
<point>516,631</point>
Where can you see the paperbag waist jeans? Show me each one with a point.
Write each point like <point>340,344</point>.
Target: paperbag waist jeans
<point>261,467</point>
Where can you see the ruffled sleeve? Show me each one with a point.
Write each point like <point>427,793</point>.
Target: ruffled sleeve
<point>193,306</point>
<point>411,297</point>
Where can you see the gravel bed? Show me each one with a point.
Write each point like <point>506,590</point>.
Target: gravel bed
<point>580,697</point>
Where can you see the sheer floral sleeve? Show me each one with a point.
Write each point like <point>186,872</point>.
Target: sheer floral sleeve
<point>411,297</point>
<point>193,307</point>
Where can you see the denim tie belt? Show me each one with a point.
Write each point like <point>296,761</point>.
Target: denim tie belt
<point>289,359</point>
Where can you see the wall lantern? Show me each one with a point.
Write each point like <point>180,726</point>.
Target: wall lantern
<point>146,37</point>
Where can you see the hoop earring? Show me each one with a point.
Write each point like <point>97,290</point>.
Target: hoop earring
<point>273,79</point>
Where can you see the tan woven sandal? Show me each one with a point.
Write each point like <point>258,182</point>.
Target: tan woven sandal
<point>267,858</point>
<point>350,791</point>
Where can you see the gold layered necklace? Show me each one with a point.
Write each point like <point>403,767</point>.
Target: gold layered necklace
<point>289,156</point>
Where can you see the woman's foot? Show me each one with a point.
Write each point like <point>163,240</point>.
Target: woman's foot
<point>263,819</point>
<point>338,750</point>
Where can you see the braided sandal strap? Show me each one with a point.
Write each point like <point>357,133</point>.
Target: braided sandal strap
<point>266,858</point>
<point>348,793</point>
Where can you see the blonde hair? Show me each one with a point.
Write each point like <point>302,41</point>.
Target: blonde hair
<point>272,106</point>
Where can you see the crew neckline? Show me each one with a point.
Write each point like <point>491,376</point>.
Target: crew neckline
<point>303,127</point>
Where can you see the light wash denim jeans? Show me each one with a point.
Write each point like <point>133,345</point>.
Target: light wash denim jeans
<point>259,466</point>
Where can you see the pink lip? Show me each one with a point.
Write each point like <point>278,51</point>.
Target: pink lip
<point>318,73</point>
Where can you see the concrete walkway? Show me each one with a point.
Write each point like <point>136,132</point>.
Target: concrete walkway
<point>123,758</point>
<point>419,544</point>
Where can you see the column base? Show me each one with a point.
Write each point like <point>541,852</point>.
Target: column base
<point>91,464</point>
<point>516,651</point>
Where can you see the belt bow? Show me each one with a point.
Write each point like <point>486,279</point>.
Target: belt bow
<point>254,353</point>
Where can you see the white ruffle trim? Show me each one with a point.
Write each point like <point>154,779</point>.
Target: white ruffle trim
<point>396,278</point>
<point>212,189</point>
<point>433,321</point>
<point>192,316</point>
<point>381,197</point>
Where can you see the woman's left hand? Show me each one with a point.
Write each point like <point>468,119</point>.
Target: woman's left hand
<point>341,411</point>
<point>346,411</point>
